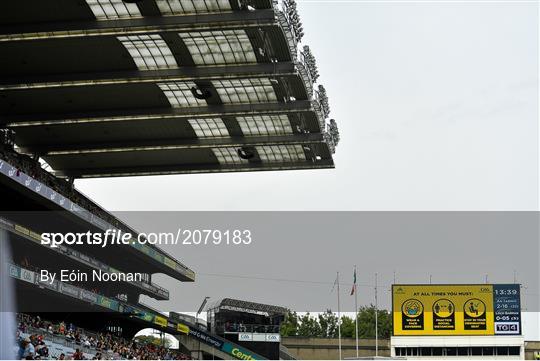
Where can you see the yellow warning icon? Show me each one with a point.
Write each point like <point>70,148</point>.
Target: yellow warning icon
<point>443,308</point>
<point>474,308</point>
<point>412,308</point>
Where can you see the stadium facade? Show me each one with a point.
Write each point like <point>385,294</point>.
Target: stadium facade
<point>98,88</point>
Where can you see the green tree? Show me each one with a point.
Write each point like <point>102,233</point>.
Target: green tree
<point>149,339</point>
<point>328,323</point>
<point>325,324</point>
<point>289,327</point>
<point>309,326</point>
<point>348,326</point>
<point>366,322</point>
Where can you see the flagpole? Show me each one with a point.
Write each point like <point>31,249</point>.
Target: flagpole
<point>376,321</point>
<point>339,317</point>
<point>356,310</point>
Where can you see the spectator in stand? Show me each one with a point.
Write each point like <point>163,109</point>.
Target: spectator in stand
<point>78,355</point>
<point>41,348</point>
<point>62,328</point>
<point>61,357</point>
<point>86,342</point>
<point>21,344</point>
<point>28,351</point>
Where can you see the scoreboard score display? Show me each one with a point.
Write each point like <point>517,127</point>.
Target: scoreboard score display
<point>453,310</point>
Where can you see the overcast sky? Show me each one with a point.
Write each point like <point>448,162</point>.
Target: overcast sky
<point>437,108</point>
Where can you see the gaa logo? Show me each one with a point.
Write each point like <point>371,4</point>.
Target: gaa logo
<point>272,338</point>
<point>245,337</point>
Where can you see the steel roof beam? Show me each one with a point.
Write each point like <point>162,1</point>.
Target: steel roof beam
<point>193,169</point>
<point>213,111</point>
<point>153,145</point>
<point>144,25</point>
<point>192,73</point>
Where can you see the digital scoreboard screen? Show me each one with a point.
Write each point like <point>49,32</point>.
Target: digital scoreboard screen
<point>456,310</point>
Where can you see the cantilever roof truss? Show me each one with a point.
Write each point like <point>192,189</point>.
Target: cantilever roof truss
<point>248,307</point>
<point>108,88</point>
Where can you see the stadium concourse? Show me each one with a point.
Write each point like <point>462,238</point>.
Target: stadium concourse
<point>98,88</point>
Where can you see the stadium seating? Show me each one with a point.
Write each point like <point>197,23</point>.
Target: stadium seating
<point>60,338</point>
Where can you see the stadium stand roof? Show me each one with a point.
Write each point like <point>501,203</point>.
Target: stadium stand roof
<point>111,88</point>
<point>248,307</point>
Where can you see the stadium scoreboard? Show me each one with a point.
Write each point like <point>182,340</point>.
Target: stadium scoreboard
<point>453,310</point>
